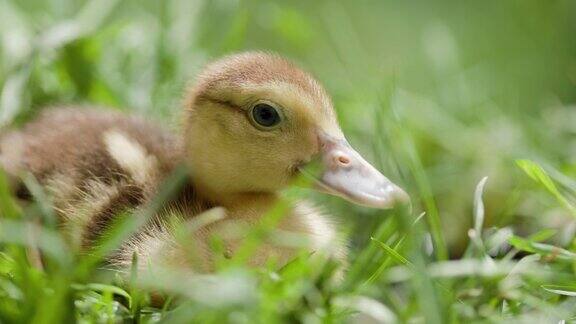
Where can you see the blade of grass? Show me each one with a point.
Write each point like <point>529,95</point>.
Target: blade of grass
<point>405,146</point>
<point>394,254</point>
<point>538,174</point>
<point>550,252</point>
<point>387,262</point>
<point>8,207</point>
<point>49,241</point>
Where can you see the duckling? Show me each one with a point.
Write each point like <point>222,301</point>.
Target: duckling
<point>251,124</point>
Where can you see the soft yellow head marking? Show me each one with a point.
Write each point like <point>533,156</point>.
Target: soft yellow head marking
<point>230,152</point>
<point>226,152</point>
<point>310,108</point>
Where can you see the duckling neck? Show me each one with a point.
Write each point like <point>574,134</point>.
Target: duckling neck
<point>240,203</point>
<point>251,201</point>
<point>249,206</point>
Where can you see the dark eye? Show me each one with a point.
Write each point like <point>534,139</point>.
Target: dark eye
<point>265,115</point>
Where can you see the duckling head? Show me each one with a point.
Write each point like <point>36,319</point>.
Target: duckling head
<point>254,120</point>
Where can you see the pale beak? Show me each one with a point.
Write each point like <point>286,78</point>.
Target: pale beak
<point>348,175</point>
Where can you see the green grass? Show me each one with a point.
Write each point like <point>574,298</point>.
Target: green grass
<point>437,94</point>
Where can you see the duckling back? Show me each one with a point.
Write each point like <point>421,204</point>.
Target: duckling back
<point>94,164</point>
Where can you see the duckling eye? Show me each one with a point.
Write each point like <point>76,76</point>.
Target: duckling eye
<point>265,115</point>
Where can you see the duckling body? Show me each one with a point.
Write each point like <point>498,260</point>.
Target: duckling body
<point>97,164</point>
<point>251,123</point>
<point>92,163</point>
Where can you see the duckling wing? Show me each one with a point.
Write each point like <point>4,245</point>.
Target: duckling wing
<point>93,163</point>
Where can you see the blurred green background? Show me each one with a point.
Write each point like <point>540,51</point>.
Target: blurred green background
<point>438,94</point>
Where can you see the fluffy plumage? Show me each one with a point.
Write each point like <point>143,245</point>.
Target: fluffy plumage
<point>96,164</point>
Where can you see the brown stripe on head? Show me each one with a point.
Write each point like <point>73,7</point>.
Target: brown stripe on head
<point>241,79</point>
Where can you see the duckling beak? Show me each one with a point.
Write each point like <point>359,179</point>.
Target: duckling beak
<point>348,175</point>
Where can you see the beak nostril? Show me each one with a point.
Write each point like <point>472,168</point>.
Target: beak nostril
<point>342,159</point>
